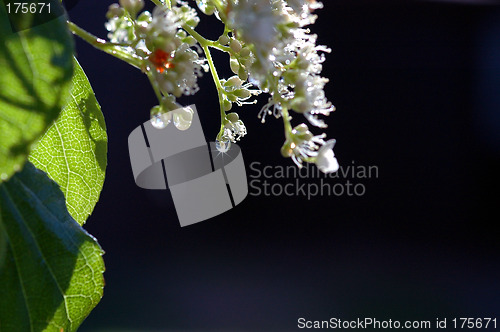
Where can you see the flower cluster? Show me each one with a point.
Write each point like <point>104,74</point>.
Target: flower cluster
<point>270,48</point>
<point>287,62</point>
<point>164,48</point>
<point>234,128</point>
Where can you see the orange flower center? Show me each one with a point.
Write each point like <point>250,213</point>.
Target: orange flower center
<point>161,60</point>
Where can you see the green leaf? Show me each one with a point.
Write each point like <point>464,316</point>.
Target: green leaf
<point>52,271</point>
<point>36,67</point>
<point>73,151</point>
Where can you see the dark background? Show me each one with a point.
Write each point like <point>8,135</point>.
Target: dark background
<point>417,91</point>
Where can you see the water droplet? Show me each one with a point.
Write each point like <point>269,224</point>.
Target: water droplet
<point>157,122</point>
<point>159,119</point>
<point>183,117</point>
<point>223,145</point>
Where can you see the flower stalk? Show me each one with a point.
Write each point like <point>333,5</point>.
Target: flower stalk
<point>108,47</point>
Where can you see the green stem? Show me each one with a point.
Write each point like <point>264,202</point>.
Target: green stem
<point>207,42</point>
<point>286,122</point>
<point>154,84</point>
<point>217,45</point>
<point>199,38</point>
<point>105,46</point>
<point>213,70</point>
<point>220,90</point>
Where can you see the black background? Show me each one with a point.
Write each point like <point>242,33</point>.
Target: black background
<point>416,86</point>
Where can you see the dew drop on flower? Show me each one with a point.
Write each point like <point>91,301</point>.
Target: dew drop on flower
<point>223,145</point>
<point>183,117</point>
<point>157,122</point>
<point>159,119</point>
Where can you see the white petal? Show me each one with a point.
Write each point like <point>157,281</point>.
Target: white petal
<point>326,161</point>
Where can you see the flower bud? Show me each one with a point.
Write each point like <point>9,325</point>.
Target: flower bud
<point>114,10</point>
<point>233,117</point>
<point>190,40</point>
<point>132,6</point>
<point>226,105</point>
<point>287,149</point>
<point>242,93</point>
<point>223,40</point>
<point>301,128</point>
<point>145,17</point>
<point>242,73</point>
<point>181,34</point>
<point>234,81</point>
<point>177,41</point>
<point>245,52</point>
<point>235,66</point>
<point>300,105</point>
<point>193,22</point>
<point>299,138</point>
<point>209,10</point>
<point>235,45</point>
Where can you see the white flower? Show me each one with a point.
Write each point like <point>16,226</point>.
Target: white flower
<point>120,30</point>
<point>161,32</point>
<point>302,146</point>
<point>176,72</point>
<point>326,161</point>
<point>238,92</point>
<point>314,101</point>
<point>257,22</point>
<point>233,131</point>
<point>288,61</point>
<point>301,6</point>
